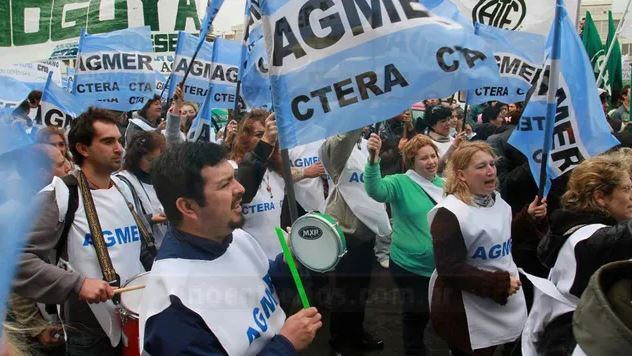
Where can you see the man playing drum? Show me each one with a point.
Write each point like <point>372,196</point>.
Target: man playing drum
<point>75,216</point>
<point>212,290</point>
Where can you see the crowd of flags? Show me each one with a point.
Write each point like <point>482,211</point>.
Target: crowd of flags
<point>362,78</point>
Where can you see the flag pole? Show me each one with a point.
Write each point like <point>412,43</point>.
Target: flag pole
<point>551,97</point>
<point>242,66</point>
<point>578,12</point>
<point>604,64</point>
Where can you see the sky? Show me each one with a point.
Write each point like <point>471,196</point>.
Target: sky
<point>231,13</point>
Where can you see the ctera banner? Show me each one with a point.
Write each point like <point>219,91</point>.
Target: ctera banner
<point>199,79</point>
<point>115,69</point>
<point>519,56</point>
<point>35,30</point>
<point>226,58</point>
<point>335,67</point>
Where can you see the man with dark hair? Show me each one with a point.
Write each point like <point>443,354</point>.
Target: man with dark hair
<point>622,113</point>
<point>212,289</point>
<point>22,118</point>
<point>85,223</point>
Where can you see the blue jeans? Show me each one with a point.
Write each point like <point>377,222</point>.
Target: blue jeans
<point>82,342</point>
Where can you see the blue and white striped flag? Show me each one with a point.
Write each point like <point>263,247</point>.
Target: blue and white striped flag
<point>568,123</point>
<point>335,66</point>
<point>226,59</point>
<point>202,127</point>
<point>255,83</point>
<point>197,83</point>
<point>114,70</point>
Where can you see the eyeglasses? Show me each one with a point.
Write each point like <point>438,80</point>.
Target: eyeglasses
<point>59,144</point>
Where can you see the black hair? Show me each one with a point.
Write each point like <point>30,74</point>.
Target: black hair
<point>436,113</point>
<point>82,129</point>
<point>490,113</point>
<point>143,112</point>
<point>142,144</point>
<point>177,173</point>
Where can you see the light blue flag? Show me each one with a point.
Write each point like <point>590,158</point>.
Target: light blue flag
<point>334,67</point>
<point>579,129</point>
<point>203,127</point>
<point>18,80</point>
<point>197,83</point>
<point>226,59</point>
<point>519,56</point>
<point>19,172</point>
<point>58,106</point>
<point>255,83</point>
<point>446,8</point>
<point>115,70</point>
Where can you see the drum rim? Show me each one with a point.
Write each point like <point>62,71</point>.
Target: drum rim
<point>332,223</point>
<point>124,309</point>
<point>335,224</point>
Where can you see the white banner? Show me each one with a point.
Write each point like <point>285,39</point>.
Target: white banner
<point>31,31</point>
<point>535,16</point>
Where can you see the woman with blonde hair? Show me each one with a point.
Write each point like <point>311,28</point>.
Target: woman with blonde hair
<point>411,196</point>
<point>592,228</point>
<point>476,300</point>
<point>54,136</point>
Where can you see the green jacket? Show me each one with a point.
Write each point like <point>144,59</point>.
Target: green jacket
<point>411,246</point>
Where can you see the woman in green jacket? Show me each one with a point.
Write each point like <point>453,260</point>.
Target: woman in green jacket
<point>411,196</point>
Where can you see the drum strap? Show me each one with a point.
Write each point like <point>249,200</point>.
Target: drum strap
<point>145,233</point>
<point>107,269</point>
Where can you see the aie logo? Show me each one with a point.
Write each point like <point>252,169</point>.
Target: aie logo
<point>507,14</point>
<point>310,232</point>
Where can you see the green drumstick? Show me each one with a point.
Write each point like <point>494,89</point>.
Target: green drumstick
<point>290,262</point>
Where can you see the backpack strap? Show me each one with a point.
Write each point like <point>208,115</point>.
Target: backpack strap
<point>73,203</point>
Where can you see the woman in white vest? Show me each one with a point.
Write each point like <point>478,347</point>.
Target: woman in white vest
<point>256,152</point>
<point>259,171</point>
<point>592,228</point>
<point>141,152</point>
<point>476,300</point>
<point>411,196</point>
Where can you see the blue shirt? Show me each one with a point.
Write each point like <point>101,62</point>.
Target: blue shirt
<point>178,330</point>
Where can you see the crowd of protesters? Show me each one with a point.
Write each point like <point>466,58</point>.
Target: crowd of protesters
<point>444,203</point>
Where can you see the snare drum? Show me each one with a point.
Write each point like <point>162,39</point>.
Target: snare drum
<point>317,242</point>
<point>129,308</point>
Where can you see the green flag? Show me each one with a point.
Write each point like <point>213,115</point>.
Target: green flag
<point>592,44</point>
<point>614,78</point>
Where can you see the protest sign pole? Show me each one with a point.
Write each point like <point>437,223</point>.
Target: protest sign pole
<point>551,97</point>
<point>604,64</point>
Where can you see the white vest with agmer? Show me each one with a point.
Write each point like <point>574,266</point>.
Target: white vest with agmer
<point>487,237</point>
<point>233,294</point>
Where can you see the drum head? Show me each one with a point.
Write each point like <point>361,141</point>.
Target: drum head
<point>316,242</point>
<point>130,301</point>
